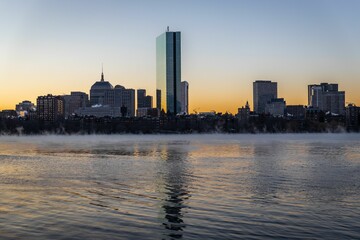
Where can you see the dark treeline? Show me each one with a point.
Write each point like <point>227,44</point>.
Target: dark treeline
<point>225,123</point>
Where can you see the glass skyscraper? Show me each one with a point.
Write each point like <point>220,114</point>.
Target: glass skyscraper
<point>168,72</point>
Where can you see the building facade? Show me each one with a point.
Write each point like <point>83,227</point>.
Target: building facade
<point>50,108</point>
<point>121,97</point>
<point>244,112</point>
<point>75,101</point>
<point>263,92</point>
<point>327,98</point>
<point>184,93</point>
<point>276,107</point>
<point>352,116</point>
<point>168,71</point>
<point>97,91</point>
<point>295,112</point>
<point>143,100</point>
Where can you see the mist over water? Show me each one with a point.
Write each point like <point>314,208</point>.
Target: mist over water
<point>303,186</point>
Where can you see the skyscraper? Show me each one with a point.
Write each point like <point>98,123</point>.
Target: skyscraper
<point>264,91</point>
<point>184,93</point>
<point>168,71</point>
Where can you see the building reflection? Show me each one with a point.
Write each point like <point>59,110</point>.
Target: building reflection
<point>174,174</point>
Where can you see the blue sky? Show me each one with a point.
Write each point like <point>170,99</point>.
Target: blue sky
<point>58,46</point>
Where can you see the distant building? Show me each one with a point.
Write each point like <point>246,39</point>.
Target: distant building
<point>244,112</point>
<point>352,116</point>
<point>121,97</point>
<point>50,108</point>
<point>75,101</point>
<point>168,72</point>
<point>144,101</point>
<point>147,112</point>
<point>8,114</point>
<point>276,107</point>
<point>98,89</point>
<point>24,108</point>
<point>327,98</point>
<point>295,111</point>
<point>99,111</point>
<point>263,92</point>
<point>184,93</point>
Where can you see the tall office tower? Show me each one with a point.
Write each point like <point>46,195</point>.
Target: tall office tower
<point>98,89</point>
<point>143,101</point>
<point>50,108</point>
<point>263,92</point>
<point>168,71</point>
<point>75,101</point>
<point>184,93</point>
<point>326,97</point>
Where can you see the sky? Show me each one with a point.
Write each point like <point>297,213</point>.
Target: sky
<point>49,46</point>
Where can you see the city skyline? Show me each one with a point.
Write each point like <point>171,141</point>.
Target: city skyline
<point>53,47</point>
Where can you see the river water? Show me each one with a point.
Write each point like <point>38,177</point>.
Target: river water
<point>304,186</point>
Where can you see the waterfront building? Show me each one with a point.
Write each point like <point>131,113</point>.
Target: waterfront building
<point>168,72</point>
<point>75,101</point>
<point>184,93</point>
<point>263,92</point>
<point>275,107</point>
<point>326,97</point>
<point>50,108</point>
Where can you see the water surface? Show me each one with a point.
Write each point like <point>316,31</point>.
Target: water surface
<point>284,186</point>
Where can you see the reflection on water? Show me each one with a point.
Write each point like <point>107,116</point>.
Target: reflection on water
<point>174,174</point>
<point>188,186</point>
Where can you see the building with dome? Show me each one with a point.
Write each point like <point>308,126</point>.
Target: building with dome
<point>98,89</point>
<point>102,93</point>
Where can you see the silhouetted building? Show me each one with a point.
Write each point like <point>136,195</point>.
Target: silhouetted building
<point>144,101</point>
<point>97,91</point>
<point>184,93</point>
<point>327,98</point>
<point>275,107</point>
<point>295,111</point>
<point>352,116</point>
<point>168,71</point>
<point>263,92</point>
<point>24,108</point>
<point>99,111</point>
<point>75,101</point>
<point>8,114</point>
<point>244,112</point>
<point>120,96</point>
<point>50,108</point>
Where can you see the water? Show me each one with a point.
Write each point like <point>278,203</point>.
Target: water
<point>185,186</point>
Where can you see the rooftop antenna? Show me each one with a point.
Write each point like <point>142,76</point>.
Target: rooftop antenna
<point>168,29</point>
<point>102,72</point>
